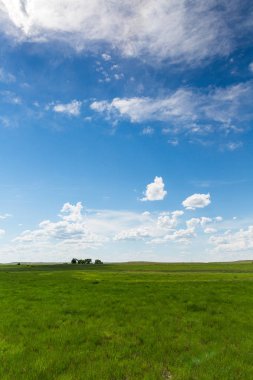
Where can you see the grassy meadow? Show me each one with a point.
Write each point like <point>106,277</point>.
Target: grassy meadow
<point>126,322</point>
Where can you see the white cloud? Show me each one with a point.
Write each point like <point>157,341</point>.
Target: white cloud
<point>72,213</point>
<point>70,230</point>
<point>196,201</point>
<point>210,230</point>
<point>182,236</point>
<point>169,220</point>
<point>194,222</point>
<point>204,220</point>
<point>146,214</point>
<point>148,131</point>
<point>2,233</point>
<point>175,29</point>
<point>224,110</point>
<point>155,190</point>
<point>232,146</point>
<point>75,231</point>
<point>241,240</point>
<point>178,105</point>
<point>99,106</point>
<point>106,57</point>
<point>118,76</point>
<point>5,216</point>
<point>73,108</point>
<point>160,228</point>
<point>133,234</point>
<point>10,97</point>
<point>173,142</point>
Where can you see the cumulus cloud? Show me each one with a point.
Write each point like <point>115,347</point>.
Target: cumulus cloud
<point>210,230</point>
<point>77,229</point>
<point>201,223</point>
<point>241,240</point>
<point>169,220</point>
<point>194,222</point>
<point>159,228</point>
<point>180,30</point>
<point>72,213</point>
<point>204,220</point>
<point>197,201</point>
<point>70,230</point>
<point>2,233</point>
<point>73,108</point>
<point>133,234</point>
<point>182,236</point>
<point>155,190</point>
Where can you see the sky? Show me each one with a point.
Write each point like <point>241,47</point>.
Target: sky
<point>126,130</point>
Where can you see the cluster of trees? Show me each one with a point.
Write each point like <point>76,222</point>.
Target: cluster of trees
<point>85,261</point>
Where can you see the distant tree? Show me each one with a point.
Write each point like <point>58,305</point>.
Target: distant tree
<point>18,263</point>
<point>97,261</point>
<point>81,261</point>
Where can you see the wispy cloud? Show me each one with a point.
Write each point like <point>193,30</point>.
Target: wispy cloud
<point>179,105</point>
<point>148,131</point>
<point>205,183</point>
<point>178,29</point>
<point>72,109</point>
<point>106,57</point>
<point>5,122</point>
<point>5,216</point>
<point>225,110</point>
<point>10,97</point>
<point>6,77</point>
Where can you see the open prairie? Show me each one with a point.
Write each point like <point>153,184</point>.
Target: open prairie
<point>126,322</point>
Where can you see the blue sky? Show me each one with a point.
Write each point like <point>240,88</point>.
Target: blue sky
<point>126,130</point>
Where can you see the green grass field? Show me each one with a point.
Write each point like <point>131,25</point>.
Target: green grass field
<point>126,322</point>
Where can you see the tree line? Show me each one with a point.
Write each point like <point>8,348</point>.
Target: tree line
<point>85,261</point>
